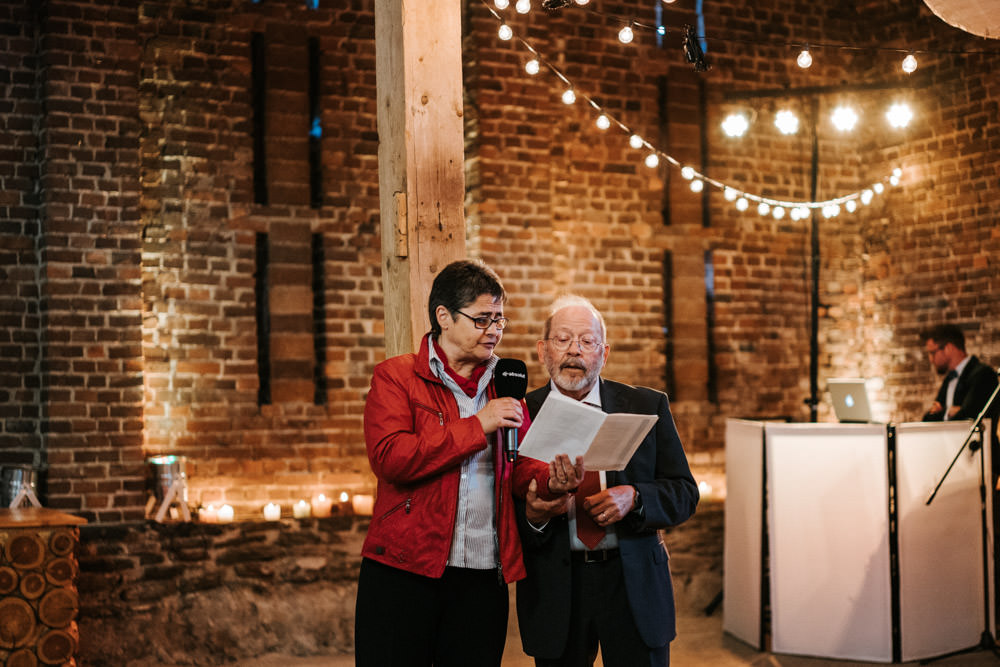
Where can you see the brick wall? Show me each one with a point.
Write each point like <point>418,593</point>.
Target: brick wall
<point>131,220</point>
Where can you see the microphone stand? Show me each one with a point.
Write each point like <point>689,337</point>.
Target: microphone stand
<point>987,642</point>
<point>972,432</point>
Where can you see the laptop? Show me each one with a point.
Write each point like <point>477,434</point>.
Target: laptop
<point>850,400</point>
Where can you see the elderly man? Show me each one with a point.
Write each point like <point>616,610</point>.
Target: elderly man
<point>597,572</point>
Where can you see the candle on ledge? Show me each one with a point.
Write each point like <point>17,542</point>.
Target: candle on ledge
<point>272,512</point>
<point>321,506</point>
<point>363,504</point>
<point>345,503</point>
<point>301,510</point>
<point>208,514</point>
<point>225,514</point>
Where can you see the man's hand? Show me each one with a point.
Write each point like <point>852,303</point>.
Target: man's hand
<point>611,505</point>
<point>565,476</point>
<point>936,407</point>
<point>538,511</point>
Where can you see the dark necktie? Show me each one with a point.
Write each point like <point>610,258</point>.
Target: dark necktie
<point>586,529</point>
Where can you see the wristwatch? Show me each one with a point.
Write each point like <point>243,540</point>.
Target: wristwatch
<point>637,503</point>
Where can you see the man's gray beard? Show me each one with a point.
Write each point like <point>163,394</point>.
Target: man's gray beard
<point>566,384</point>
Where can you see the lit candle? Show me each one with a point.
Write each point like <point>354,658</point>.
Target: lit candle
<point>301,510</point>
<point>225,514</point>
<point>321,506</point>
<point>345,502</point>
<point>363,504</point>
<point>272,512</point>
<point>208,514</point>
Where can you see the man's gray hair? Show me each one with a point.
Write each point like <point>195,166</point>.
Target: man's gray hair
<point>567,300</point>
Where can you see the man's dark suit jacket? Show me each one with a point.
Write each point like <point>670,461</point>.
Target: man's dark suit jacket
<point>659,470</point>
<point>974,388</point>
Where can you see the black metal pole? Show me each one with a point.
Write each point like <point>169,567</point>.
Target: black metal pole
<point>813,399</point>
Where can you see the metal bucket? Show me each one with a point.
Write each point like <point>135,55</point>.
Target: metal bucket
<point>15,478</point>
<point>166,471</point>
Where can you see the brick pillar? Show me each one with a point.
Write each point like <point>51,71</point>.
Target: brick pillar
<point>89,249</point>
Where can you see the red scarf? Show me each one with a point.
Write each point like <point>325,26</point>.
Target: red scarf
<point>471,385</point>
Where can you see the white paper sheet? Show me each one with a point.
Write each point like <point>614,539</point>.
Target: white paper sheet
<point>567,426</point>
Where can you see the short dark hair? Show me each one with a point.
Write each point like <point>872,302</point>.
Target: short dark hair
<point>942,334</point>
<point>459,284</point>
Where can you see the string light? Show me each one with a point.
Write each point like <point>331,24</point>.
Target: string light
<point>532,67</point>
<point>844,118</point>
<point>735,125</point>
<point>786,121</point>
<point>765,205</point>
<point>625,35</point>
<point>501,4</point>
<point>505,32</point>
<point>805,59</point>
<point>910,63</point>
<point>899,115</point>
<point>523,6</point>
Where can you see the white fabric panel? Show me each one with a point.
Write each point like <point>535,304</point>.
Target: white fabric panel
<point>942,589</point>
<point>829,532</point>
<point>743,530</point>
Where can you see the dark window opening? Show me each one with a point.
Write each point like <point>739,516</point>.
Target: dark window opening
<point>669,380</point>
<point>319,321</point>
<point>263,314</point>
<point>315,127</point>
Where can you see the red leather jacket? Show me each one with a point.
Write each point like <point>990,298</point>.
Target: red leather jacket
<point>416,445</point>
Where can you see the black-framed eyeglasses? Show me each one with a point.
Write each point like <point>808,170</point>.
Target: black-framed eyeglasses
<point>584,343</point>
<point>485,321</point>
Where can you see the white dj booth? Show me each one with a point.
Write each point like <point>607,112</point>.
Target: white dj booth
<point>830,523</point>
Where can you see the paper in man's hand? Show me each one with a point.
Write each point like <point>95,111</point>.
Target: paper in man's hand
<point>567,426</point>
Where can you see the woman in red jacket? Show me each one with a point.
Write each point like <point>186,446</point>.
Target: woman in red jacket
<point>443,542</point>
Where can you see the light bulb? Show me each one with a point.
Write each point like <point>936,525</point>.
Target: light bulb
<point>735,125</point>
<point>899,115</point>
<point>505,32</point>
<point>625,35</point>
<point>652,160</point>
<point>786,121</point>
<point>730,194</point>
<point>742,204</point>
<point>805,58</point>
<point>582,2</point>
<point>687,172</point>
<point>501,4</point>
<point>763,208</point>
<point>795,214</point>
<point>697,185</point>
<point>910,64</point>
<point>897,172</point>
<point>778,212</point>
<point>878,188</point>
<point>532,67</point>
<point>803,213</point>
<point>635,141</point>
<point>523,6</point>
<point>603,122</point>
<point>569,96</point>
<point>851,205</point>
<point>894,180</point>
<point>844,118</point>
<point>866,197</point>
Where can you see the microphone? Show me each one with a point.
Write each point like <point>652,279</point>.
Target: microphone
<point>510,377</point>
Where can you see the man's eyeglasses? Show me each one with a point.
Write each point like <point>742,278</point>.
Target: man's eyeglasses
<point>585,343</point>
<point>484,321</point>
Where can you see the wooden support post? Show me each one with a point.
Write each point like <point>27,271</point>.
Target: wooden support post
<point>418,46</point>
